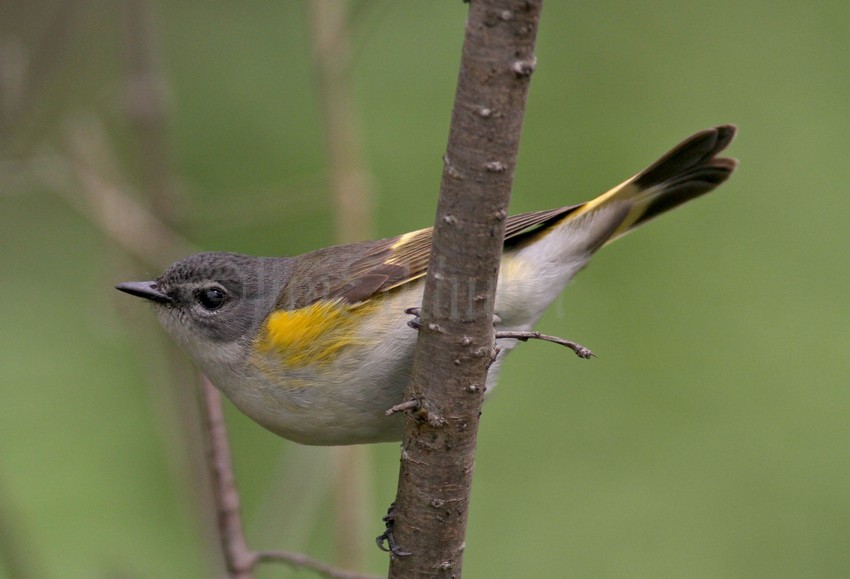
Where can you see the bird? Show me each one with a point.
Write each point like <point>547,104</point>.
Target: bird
<point>316,348</point>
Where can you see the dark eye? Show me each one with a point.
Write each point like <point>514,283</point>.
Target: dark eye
<point>211,298</point>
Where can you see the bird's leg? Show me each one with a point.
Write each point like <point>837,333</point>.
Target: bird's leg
<point>414,322</point>
<point>387,536</point>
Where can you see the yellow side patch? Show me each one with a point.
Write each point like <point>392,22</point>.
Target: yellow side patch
<point>512,269</point>
<point>311,335</point>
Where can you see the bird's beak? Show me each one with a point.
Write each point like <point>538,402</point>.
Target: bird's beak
<point>144,289</point>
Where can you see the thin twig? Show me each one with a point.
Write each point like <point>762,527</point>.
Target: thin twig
<point>303,561</point>
<point>239,559</point>
<point>522,336</point>
<point>403,407</point>
<point>580,350</point>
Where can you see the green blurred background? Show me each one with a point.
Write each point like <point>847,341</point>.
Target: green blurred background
<point>708,439</point>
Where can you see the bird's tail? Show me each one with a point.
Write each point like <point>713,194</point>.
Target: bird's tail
<point>690,169</point>
<point>571,235</point>
<point>541,262</point>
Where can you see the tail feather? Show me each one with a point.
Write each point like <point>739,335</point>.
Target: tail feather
<point>686,187</point>
<point>689,170</point>
<point>540,261</point>
<point>694,153</point>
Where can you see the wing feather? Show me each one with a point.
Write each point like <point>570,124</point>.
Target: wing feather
<point>395,261</point>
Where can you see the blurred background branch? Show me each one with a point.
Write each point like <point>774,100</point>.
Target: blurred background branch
<point>353,201</point>
<point>25,74</point>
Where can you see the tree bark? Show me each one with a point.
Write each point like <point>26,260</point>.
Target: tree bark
<point>456,347</point>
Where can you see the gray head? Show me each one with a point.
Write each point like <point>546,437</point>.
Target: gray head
<point>210,300</point>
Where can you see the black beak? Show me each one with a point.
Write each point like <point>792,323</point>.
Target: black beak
<point>144,289</point>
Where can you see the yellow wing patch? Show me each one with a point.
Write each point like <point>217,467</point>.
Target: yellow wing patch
<point>311,335</point>
<point>407,238</point>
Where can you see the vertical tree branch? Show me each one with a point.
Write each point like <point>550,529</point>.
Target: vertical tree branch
<point>455,346</point>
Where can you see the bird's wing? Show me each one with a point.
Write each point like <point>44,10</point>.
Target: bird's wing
<point>389,263</point>
<point>356,272</point>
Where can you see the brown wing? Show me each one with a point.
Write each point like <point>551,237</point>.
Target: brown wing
<point>395,261</point>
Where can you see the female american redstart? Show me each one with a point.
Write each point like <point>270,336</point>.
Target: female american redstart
<point>317,347</point>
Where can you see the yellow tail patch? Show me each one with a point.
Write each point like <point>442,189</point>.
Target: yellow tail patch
<point>309,335</point>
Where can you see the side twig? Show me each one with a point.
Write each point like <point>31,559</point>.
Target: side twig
<point>299,560</point>
<point>403,407</point>
<point>581,351</point>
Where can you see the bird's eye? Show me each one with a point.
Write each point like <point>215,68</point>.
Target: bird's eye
<point>211,298</point>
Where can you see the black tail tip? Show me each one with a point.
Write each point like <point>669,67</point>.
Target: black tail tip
<point>699,149</point>
<point>725,135</point>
